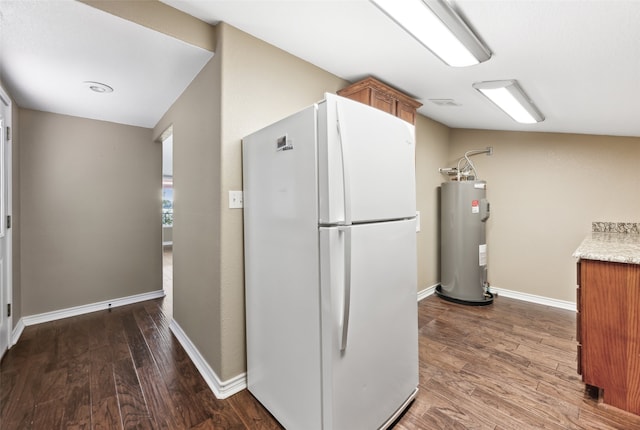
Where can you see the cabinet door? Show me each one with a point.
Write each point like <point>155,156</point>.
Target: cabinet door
<point>406,112</point>
<point>610,302</point>
<point>602,322</point>
<point>383,102</point>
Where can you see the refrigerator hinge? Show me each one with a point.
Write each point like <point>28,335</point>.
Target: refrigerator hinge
<point>8,133</point>
<point>8,221</point>
<point>8,310</point>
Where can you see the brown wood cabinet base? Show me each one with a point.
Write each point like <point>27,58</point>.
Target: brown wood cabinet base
<point>608,334</point>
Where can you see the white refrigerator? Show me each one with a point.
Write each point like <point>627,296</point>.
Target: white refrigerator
<point>330,267</point>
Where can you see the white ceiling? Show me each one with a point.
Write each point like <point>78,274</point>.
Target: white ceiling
<point>49,48</point>
<point>579,60</point>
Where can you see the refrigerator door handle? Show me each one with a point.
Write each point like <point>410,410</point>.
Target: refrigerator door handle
<point>347,286</point>
<point>346,182</point>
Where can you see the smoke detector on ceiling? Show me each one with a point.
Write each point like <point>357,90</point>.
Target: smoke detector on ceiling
<point>444,102</point>
<point>98,87</point>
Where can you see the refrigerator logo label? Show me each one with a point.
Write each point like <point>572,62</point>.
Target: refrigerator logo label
<point>475,207</point>
<point>283,144</point>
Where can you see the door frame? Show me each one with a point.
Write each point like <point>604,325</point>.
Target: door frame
<point>6,105</point>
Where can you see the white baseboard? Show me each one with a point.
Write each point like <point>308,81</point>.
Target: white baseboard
<point>91,307</point>
<point>423,294</point>
<point>221,389</point>
<point>17,332</point>
<point>532,298</point>
<point>225,389</point>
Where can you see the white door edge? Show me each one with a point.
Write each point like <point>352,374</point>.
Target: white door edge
<point>5,105</point>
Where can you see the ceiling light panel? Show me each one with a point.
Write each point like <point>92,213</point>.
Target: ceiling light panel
<point>436,26</point>
<point>509,96</point>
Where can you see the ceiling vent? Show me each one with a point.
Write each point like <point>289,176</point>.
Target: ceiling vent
<point>444,102</point>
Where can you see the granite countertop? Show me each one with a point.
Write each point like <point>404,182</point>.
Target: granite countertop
<point>613,247</point>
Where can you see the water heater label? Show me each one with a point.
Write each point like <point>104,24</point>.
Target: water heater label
<point>482,255</point>
<point>475,207</point>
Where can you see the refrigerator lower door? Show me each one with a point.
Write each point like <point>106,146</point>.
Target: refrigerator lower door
<point>368,285</point>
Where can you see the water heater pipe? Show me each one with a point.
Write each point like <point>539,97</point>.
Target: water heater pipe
<point>458,171</point>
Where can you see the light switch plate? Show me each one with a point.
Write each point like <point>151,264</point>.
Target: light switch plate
<point>235,200</point>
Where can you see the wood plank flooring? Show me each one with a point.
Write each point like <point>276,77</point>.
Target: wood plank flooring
<point>506,366</point>
<point>510,365</point>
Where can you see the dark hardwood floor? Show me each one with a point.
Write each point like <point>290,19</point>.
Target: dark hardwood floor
<point>507,366</point>
<point>510,365</point>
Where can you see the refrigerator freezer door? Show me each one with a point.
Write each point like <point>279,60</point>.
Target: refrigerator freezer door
<point>281,270</point>
<point>365,382</point>
<point>366,163</point>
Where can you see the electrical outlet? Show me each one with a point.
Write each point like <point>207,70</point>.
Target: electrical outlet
<point>235,200</point>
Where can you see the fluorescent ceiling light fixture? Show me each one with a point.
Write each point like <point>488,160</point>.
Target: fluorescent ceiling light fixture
<point>511,98</point>
<point>438,28</point>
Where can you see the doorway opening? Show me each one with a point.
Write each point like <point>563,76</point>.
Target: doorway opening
<point>167,220</point>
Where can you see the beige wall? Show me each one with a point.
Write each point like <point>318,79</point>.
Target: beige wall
<point>161,17</point>
<point>432,150</point>
<point>545,190</point>
<point>195,119</point>
<point>247,85</point>
<point>261,84</point>
<point>79,179</point>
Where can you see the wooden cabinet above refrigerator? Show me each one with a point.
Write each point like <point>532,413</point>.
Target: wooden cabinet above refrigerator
<point>374,93</point>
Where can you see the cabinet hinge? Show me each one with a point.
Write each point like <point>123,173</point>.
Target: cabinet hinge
<point>8,310</point>
<point>8,221</point>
